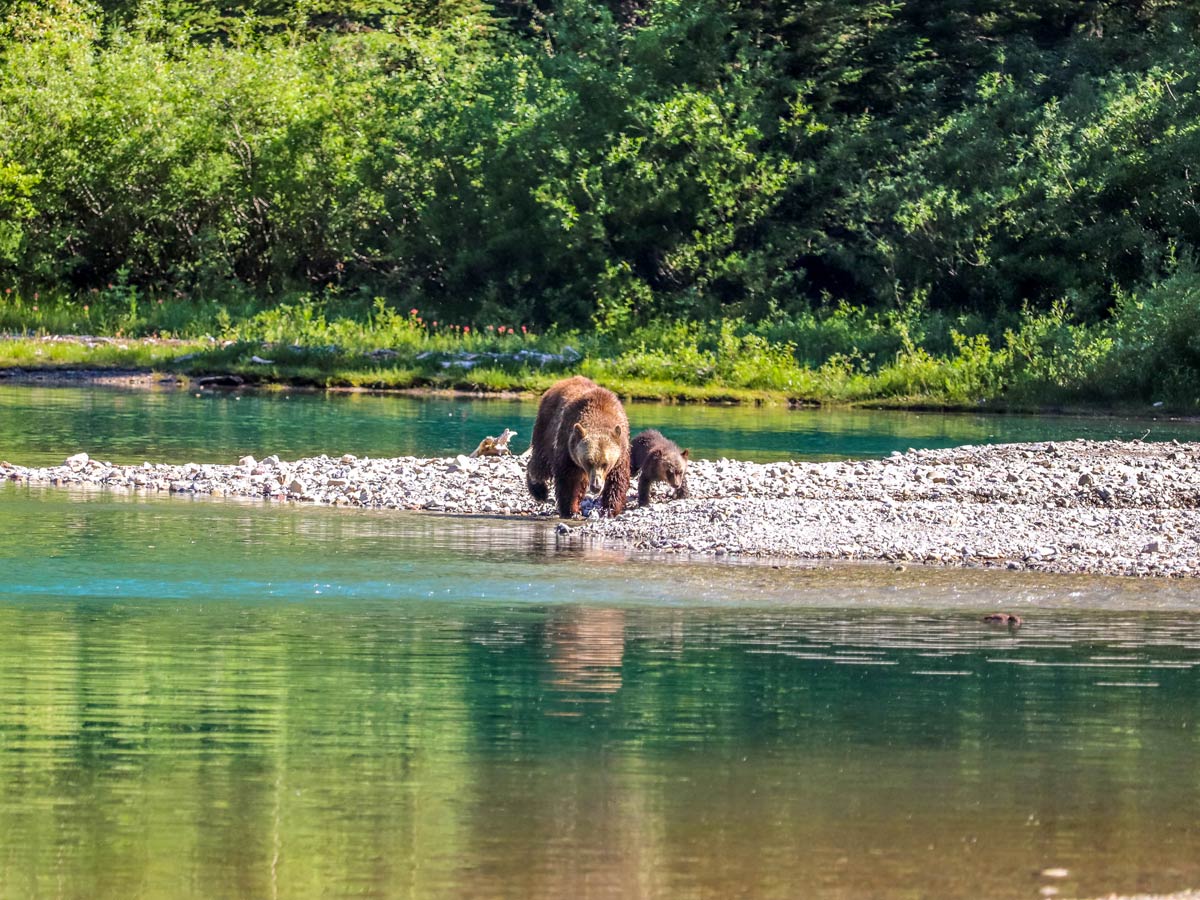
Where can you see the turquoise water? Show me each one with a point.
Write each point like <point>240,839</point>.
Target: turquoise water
<point>41,425</point>
<point>220,699</point>
<point>242,699</point>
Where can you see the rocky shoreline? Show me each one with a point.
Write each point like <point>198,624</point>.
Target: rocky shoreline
<point>1111,508</point>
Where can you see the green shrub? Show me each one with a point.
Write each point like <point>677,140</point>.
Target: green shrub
<point>1155,342</point>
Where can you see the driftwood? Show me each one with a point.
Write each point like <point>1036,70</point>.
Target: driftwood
<point>495,446</point>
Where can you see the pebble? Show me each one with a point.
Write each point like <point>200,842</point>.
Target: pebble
<point>1014,506</point>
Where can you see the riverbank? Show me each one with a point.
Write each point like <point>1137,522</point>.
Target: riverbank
<point>472,365</point>
<point>163,378</point>
<point>1111,508</point>
<point>720,362</point>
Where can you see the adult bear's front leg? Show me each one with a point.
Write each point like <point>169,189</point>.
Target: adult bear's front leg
<point>570,487</point>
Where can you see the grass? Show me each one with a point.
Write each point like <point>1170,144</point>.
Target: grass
<point>843,356</point>
<point>325,368</point>
<point>40,353</point>
<point>296,366</point>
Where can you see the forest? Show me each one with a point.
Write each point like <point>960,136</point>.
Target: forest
<point>956,199</point>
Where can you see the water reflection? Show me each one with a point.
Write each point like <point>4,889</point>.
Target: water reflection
<point>586,649</point>
<point>706,752</point>
<point>210,699</point>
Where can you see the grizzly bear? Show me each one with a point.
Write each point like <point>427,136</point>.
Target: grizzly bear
<point>581,440</point>
<point>658,459</point>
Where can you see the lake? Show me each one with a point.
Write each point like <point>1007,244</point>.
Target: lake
<point>239,699</point>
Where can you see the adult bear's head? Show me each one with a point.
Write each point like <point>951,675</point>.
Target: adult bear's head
<point>596,452</point>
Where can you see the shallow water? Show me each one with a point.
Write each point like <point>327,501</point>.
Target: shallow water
<point>210,698</point>
<point>41,425</point>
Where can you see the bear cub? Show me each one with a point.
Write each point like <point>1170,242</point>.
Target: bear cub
<point>658,459</point>
<point>581,441</point>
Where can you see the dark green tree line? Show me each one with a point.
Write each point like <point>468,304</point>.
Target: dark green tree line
<point>569,162</point>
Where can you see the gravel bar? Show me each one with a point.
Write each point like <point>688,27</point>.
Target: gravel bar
<point>1097,507</point>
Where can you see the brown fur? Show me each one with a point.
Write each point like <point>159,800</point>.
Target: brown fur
<point>581,440</point>
<point>658,459</point>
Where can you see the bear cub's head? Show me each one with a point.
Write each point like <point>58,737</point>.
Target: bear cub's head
<point>596,452</point>
<point>670,465</point>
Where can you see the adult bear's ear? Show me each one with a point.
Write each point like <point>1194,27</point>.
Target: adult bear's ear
<point>617,431</point>
<point>685,453</point>
<point>579,428</point>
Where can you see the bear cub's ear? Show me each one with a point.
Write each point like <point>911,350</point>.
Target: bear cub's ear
<point>579,428</point>
<point>685,453</point>
<point>617,431</point>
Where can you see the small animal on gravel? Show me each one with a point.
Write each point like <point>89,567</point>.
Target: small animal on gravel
<point>1003,618</point>
<point>581,441</point>
<point>658,459</point>
<point>495,446</point>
